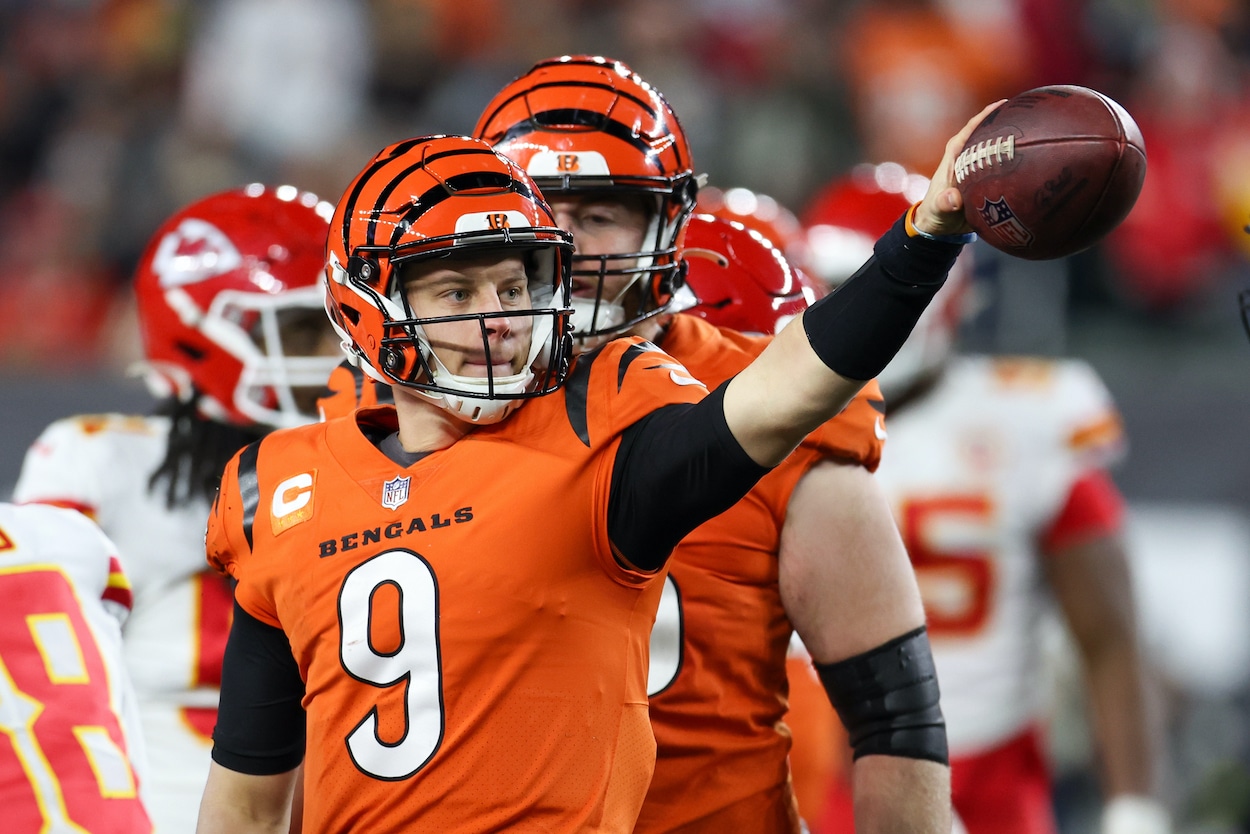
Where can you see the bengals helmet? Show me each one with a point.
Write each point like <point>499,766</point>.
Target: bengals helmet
<point>742,280</point>
<point>591,125</point>
<point>229,304</point>
<point>759,212</point>
<point>437,197</point>
<point>843,223</point>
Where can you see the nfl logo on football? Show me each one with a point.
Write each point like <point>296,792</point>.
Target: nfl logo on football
<point>395,492</point>
<point>1004,223</point>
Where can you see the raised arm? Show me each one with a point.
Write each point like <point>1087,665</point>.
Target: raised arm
<point>821,359</point>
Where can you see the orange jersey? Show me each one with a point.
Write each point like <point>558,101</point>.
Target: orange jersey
<point>718,708</point>
<point>474,657</point>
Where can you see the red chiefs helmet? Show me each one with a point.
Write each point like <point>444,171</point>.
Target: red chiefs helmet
<point>230,305</point>
<point>742,280</point>
<point>843,223</point>
<point>759,212</point>
<point>846,217</point>
<point>434,197</point>
<point>583,124</point>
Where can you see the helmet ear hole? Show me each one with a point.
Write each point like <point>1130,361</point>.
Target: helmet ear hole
<point>362,269</point>
<point>351,314</point>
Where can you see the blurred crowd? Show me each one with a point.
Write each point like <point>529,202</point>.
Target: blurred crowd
<point>113,113</point>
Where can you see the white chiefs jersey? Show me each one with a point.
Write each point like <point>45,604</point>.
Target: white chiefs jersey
<point>175,637</point>
<point>71,751</point>
<point>977,471</point>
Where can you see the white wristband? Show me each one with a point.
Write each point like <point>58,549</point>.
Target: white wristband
<point>1128,814</point>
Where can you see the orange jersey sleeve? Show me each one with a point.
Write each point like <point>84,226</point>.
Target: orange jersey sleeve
<point>460,624</point>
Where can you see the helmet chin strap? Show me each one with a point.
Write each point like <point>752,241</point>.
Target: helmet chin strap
<point>481,409</point>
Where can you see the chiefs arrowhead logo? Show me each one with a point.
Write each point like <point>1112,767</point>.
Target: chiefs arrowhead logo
<point>193,252</point>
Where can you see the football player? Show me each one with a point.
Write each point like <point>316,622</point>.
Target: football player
<point>72,757</point>
<point>997,472</point>
<point>812,548</point>
<point>236,343</point>
<point>460,588</point>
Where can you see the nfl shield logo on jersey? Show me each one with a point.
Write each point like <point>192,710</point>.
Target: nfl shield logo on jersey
<point>395,492</point>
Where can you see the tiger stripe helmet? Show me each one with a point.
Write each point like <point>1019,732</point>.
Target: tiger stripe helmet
<point>431,197</point>
<point>590,125</point>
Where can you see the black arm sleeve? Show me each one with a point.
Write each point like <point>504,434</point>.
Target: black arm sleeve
<point>857,329</point>
<point>675,468</point>
<point>260,721</point>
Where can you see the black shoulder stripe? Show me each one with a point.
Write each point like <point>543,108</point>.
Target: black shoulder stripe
<point>576,391</point>
<point>633,353</point>
<point>249,487</point>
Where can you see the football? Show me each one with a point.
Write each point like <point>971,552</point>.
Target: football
<point>1051,171</point>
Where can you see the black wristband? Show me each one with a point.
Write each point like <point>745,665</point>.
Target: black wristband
<point>857,329</point>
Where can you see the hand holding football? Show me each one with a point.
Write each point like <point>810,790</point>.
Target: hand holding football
<point>1051,171</point>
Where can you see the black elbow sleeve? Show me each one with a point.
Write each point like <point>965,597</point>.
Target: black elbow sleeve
<point>888,699</point>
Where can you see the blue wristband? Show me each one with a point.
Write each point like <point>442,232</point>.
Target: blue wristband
<point>915,231</point>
